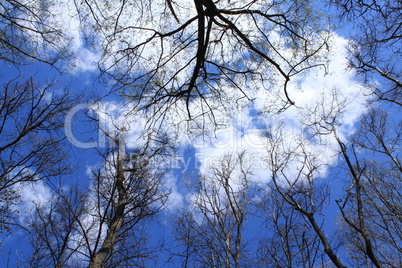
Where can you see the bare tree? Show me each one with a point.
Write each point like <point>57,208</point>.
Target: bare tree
<point>211,230</point>
<point>28,33</point>
<point>31,118</point>
<point>167,52</point>
<point>376,43</point>
<point>369,211</point>
<point>301,196</point>
<point>51,227</point>
<point>127,192</point>
<point>371,208</point>
<point>288,239</point>
<point>106,226</point>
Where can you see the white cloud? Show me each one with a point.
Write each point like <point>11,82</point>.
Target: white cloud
<point>175,198</point>
<point>325,99</point>
<point>86,60</point>
<point>323,96</point>
<point>66,30</point>
<point>35,194</point>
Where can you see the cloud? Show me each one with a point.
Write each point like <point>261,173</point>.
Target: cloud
<point>67,33</point>
<point>86,60</point>
<point>227,121</point>
<point>326,100</point>
<point>33,195</point>
<point>123,121</point>
<point>175,197</point>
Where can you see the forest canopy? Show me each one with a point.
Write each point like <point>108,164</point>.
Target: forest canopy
<point>201,133</point>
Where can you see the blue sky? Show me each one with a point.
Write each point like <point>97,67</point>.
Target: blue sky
<point>332,91</point>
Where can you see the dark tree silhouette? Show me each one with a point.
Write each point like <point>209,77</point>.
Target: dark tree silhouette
<point>376,43</point>
<point>32,142</point>
<point>105,226</point>
<point>28,34</point>
<point>211,230</point>
<point>169,52</point>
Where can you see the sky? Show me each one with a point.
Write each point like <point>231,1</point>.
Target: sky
<point>321,95</point>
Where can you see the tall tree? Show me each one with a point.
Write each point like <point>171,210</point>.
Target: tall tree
<point>126,193</point>
<point>376,43</point>
<point>295,176</point>
<point>105,226</point>
<point>167,52</point>
<point>31,121</point>
<point>211,230</point>
<point>371,208</point>
<point>288,239</point>
<point>29,33</point>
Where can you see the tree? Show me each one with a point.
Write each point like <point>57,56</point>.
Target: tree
<point>29,33</point>
<point>295,173</point>
<point>188,54</point>
<point>376,43</point>
<point>31,147</point>
<point>369,210</point>
<point>105,226</point>
<point>31,142</point>
<point>288,239</point>
<point>372,205</point>
<point>52,226</point>
<point>211,231</point>
<point>127,193</point>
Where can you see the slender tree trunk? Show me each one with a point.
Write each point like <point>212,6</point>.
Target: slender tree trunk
<point>108,244</point>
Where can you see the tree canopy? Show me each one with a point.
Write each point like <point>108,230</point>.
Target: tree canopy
<point>219,133</point>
